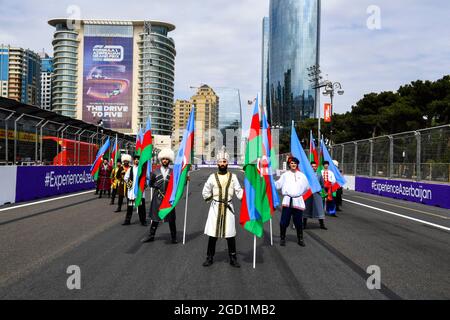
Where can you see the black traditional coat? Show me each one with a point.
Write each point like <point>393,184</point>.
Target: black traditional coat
<point>159,185</point>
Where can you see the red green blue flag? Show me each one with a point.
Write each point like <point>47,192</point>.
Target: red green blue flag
<point>256,207</point>
<point>267,164</point>
<point>139,138</point>
<point>115,154</point>
<point>313,155</point>
<point>95,168</point>
<point>144,161</point>
<point>181,167</point>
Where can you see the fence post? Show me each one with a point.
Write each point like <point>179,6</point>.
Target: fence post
<point>356,158</point>
<point>418,156</point>
<point>371,158</point>
<point>7,138</point>
<point>391,156</point>
<point>15,138</point>
<point>36,144</point>
<point>343,167</point>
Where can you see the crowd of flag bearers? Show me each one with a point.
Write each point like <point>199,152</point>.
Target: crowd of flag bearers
<point>310,188</point>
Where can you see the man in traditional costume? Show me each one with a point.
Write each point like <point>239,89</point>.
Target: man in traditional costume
<point>121,185</point>
<point>314,205</point>
<point>115,180</point>
<point>159,181</point>
<point>293,185</point>
<point>104,177</point>
<point>328,181</point>
<point>219,189</point>
<point>339,191</point>
<point>130,178</point>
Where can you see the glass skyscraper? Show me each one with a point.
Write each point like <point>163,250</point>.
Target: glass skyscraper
<point>294,40</point>
<point>230,120</point>
<point>265,63</point>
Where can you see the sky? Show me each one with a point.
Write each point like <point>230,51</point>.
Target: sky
<point>366,45</point>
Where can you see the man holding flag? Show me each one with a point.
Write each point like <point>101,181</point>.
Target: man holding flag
<point>333,180</point>
<point>130,179</point>
<point>159,181</point>
<point>293,185</point>
<point>219,189</point>
<point>314,205</point>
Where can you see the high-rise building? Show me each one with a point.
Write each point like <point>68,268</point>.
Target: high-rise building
<point>265,64</point>
<point>117,72</point>
<point>206,103</point>
<point>230,120</point>
<point>294,40</point>
<point>46,81</point>
<point>181,113</point>
<point>20,75</point>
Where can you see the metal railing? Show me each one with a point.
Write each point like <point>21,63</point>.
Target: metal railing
<point>422,155</point>
<point>27,140</point>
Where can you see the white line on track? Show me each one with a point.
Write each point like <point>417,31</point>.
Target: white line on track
<point>399,215</point>
<point>44,201</point>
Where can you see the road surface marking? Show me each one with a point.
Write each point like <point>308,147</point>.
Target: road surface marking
<point>44,201</point>
<point>394,205</point>
<point>399,215</point>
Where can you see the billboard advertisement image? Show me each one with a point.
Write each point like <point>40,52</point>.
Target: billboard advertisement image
<point>107,81</point>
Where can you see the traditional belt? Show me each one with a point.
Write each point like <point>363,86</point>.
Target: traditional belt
<point>227,203</point>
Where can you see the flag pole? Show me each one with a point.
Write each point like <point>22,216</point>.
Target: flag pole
<point>185,211</point>
<point>271,234</point>
<point>254,252</point>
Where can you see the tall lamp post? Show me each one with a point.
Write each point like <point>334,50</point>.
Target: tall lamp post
<point>330,89</point>
<point>317,82</point>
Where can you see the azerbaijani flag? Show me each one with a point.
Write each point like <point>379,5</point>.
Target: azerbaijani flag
<point>115,154</point>
<point>181,168</point>
<point>139,138</point>
<point>313,155</point>
<point>146,158</point>
<point>340,180</point>
<point>268,154</point>
<point>256,207</point>
<point>95,168</point>
<point>305,166</point>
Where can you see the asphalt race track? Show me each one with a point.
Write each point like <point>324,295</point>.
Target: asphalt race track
<point>40,241</point>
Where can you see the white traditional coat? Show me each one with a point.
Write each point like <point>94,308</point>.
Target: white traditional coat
<point>220,189</point>
<point>293,185</point>
<point>130,195</point>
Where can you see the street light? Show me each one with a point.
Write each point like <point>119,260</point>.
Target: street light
<point>330,90</point>
<point>317,82</point>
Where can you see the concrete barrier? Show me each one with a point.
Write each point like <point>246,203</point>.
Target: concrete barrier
<point>426,193</point>
<point>46,181</point>
<point>8,185</point>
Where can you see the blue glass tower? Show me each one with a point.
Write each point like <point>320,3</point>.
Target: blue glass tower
<point>294,41</point>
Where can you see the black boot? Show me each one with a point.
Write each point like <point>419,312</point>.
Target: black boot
<point>283,236</point>
<point>209,261</point>
<point>173,231</point>
<point>128,216</point>
<point>101,193</point>
<point>119,208</point>
<point>305,222</point>
<point>233,261</point>
<point>301,243</point>
<point>151,235</point>
<point>322,224</point>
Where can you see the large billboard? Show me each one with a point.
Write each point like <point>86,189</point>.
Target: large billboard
<point>107,81</point>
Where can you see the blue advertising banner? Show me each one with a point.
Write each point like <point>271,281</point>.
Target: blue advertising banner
<point>425,193</point>
<point>107,81</point>
<point>46,181</point>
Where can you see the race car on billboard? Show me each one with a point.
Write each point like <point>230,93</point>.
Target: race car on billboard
<point>105,82</point>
